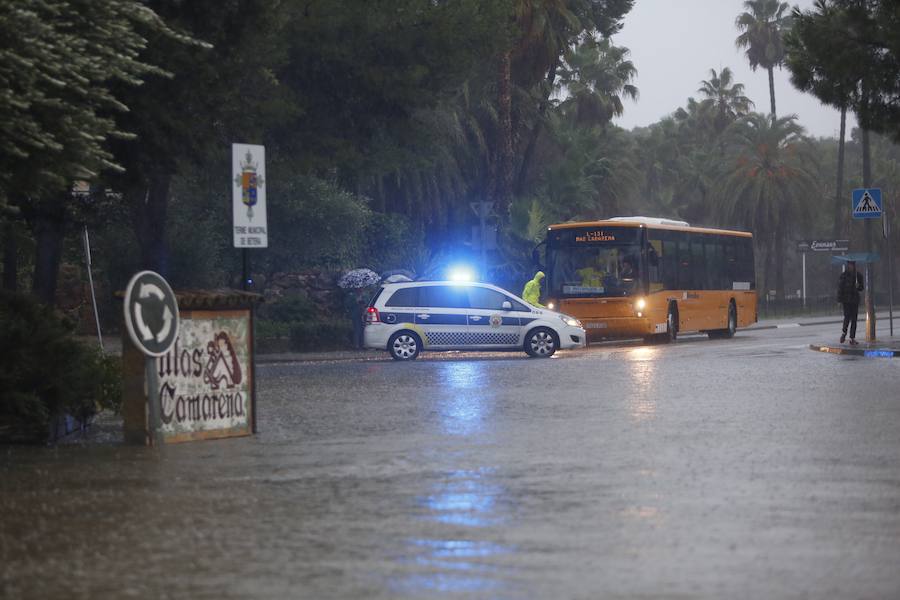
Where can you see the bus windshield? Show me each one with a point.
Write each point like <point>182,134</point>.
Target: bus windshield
<point>594,262</point>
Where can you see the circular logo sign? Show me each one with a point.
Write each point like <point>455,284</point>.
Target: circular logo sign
<point>151,313</point>
<point>496,320</point>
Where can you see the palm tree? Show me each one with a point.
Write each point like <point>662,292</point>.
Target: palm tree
<point>724,98</point>
<point>597,76</point>
<point>542,33</point>
<point>812,38</point>
<point>763,26</point>
<point>767,182</point>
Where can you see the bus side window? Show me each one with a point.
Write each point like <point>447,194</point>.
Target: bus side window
<point>698,265</point>
<point>715,272</point>
<point>685,276</point>
<point>654,249</point>
<point>745,260</point>
<point>731,264</point>
<point>669,261</point>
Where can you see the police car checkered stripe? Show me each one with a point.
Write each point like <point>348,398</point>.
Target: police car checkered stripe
<point>446,338</point>
<point>486,339</point>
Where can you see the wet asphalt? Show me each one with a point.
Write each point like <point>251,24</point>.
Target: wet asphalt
<point>744,468</point>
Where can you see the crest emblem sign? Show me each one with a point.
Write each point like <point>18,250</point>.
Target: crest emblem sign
<point>249,198</point>
<point>249,181</point>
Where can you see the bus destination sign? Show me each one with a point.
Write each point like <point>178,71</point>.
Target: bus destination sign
<point>595,236</point>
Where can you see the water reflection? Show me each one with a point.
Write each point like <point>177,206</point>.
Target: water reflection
<point>461,405</point>
<point>642,398</point>
<point>466,499</point>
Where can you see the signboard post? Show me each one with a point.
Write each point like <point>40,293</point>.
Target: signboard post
<point>819,246</point>
<point>200,386</point>
<point>151,318</point>
<point>250,226</point>
<point>886,229</point>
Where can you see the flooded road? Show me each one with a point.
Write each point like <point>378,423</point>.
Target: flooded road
<point>750,467</point>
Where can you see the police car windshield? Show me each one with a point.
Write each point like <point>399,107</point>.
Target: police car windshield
<point>595,263</point>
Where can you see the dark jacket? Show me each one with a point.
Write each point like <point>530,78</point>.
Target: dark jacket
<point>849,287</point>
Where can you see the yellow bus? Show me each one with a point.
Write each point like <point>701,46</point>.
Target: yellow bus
<point>652,278</point>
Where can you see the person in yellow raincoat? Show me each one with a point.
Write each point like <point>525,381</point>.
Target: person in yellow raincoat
<point>532,292</point>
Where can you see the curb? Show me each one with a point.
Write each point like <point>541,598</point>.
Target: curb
<point>835,321</point>
<point>274,359</point>
<point>871,353</point>
<point>791,325</point>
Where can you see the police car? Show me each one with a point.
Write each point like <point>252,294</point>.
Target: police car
<point>406,318</point>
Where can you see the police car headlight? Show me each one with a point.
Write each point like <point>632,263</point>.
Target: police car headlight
<point>570,321</point>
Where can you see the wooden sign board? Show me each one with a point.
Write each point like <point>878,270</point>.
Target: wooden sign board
<point>205,380</point>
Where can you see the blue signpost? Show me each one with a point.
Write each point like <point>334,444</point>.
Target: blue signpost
<point>865,203</point>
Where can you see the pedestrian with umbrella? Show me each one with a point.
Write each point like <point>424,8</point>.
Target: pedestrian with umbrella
<point>355,283</point>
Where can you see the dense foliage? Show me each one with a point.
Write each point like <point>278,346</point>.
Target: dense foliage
<point>385,120</point>
<point>46,373</point>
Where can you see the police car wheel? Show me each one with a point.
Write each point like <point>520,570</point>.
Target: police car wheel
<point>404,345</point>
<point>541,342</point>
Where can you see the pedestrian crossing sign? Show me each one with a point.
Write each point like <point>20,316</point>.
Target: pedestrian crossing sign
<point>866,203</point>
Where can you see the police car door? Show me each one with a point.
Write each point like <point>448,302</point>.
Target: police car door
<point>491,323</point>
<point>442,315</point>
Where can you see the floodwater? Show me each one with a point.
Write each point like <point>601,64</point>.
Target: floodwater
<point>743,468</point>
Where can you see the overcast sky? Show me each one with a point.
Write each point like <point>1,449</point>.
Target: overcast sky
<point>674,44</point>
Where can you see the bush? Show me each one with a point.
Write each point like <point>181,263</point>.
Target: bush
<point>46,373</point>
<point>290,308</point>
<point>325,334</point>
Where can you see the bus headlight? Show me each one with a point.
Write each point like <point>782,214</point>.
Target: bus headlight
<point>551,305</point>
<point>639,305</point>
<point>570,321</point>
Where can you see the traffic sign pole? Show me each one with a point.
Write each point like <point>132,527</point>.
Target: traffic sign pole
<point>151,317</point>
<point>886,227</point>
<point>804,279</point>
<point>153,401</point>
<point>867,204</point>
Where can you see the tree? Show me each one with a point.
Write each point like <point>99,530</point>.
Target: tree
<point>220,92</point>
<point>544,31</point>
<point>767,183</point>
<point>862,73</point>
<point>596,76</point>
<point>763,25</point>
<point>59,61</point>
<point>724,98</point>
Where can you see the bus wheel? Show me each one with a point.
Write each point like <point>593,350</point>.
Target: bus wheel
<point>732,320</point>
<point>730,326</point>
<point>671,325</point>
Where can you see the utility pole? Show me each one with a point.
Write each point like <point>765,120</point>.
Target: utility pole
<point>870,272</point>
<point>483,210</point>
<point>483,238</point>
